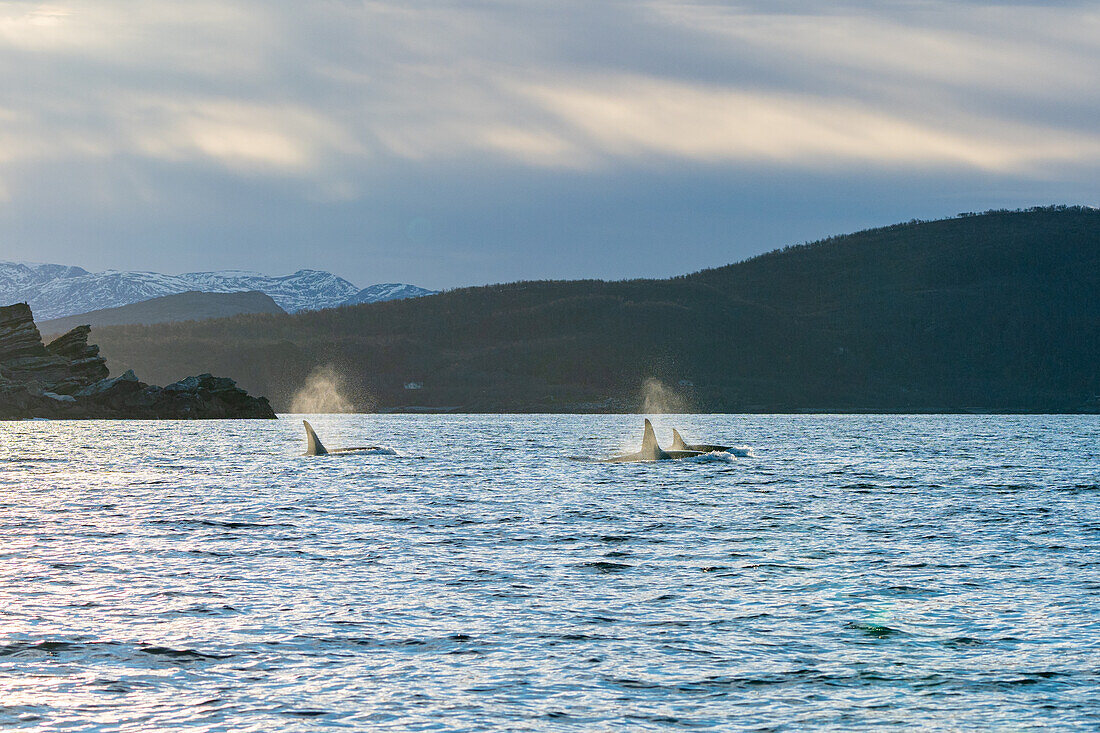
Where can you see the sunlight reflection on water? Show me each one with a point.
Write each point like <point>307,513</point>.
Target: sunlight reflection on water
<point>855,572</point>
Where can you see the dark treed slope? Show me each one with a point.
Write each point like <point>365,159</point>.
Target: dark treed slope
<point>192,306</point>
<point>996,312</point>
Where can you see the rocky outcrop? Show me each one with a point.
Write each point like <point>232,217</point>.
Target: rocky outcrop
<point>84,360</point>
<point>69,379</point>
<point>19,337</point>
<point>24,360</point>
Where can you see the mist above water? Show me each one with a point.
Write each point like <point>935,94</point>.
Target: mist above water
<point>658,399</point>
<point>323,392</point>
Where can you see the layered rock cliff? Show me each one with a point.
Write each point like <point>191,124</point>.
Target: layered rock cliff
<point>69,379</point>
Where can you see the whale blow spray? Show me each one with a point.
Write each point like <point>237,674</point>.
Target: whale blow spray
<point>322,393</point>
<point>658,399</point>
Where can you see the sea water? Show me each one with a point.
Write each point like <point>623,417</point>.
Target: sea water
<point>840,573</point>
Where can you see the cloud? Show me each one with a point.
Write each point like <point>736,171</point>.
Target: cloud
<point>309,90</point>
<point>894,51</point>
<point>333,102</point>
<point>240,136</point>
<point>627,117</point>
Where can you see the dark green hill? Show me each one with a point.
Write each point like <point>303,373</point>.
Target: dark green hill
<point>990,312</point>
<point>190,306</point>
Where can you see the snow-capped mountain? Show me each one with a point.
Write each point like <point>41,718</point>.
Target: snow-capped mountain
<point>387,291</point>
<point>55,291</point>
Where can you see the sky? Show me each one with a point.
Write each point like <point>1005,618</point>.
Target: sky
<point>456,143</point>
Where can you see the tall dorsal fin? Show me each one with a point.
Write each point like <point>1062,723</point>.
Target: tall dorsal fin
<point>650,449</point>
<point>313,443</point>
<point>678,442</point>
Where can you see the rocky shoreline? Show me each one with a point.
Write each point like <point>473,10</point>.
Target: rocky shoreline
<point>68,379</point>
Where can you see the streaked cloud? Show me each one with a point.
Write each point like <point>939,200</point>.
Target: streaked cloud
<point>630,117</point>
<point>331,102</point>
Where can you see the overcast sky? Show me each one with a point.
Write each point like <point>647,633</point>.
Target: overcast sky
<point>465,142</point>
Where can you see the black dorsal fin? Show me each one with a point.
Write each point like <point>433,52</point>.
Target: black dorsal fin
<point>678,442</point>
<point>313,443</point>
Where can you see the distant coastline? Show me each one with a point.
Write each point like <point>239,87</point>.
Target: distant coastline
<point>983,313</point>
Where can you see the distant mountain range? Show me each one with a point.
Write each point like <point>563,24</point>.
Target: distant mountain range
<point>55,291</point>
<point>387,291</point>
<point>193,306</point>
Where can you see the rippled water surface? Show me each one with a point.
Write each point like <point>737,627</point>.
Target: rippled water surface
<point>853,572</point>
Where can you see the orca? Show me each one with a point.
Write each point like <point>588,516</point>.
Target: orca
<point>651,451</point>
<point>679,444</point>
<point>314,447</point>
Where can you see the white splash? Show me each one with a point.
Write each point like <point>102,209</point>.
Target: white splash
<point>657,399</point>
<point>321,394</point>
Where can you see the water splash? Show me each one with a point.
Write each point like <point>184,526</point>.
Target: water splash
<point>323,392</point>
<point>715,457</point>
<point>658,399</point>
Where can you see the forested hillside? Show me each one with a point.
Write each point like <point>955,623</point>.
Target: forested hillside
<point>994,312</point>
